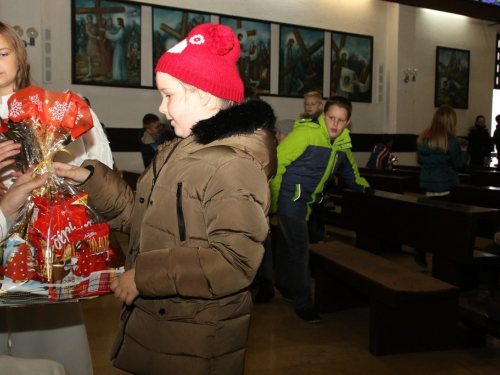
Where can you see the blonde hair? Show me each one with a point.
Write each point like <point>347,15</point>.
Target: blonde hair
<point>440,129</point>
<point>314,94</point>
<point>222,103</point>
<point>23,78</point>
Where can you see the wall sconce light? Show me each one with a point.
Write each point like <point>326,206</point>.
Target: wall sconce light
<point>410,73</point>
<point>31,33</point>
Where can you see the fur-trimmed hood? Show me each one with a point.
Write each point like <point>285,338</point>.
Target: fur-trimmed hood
<point>242,119</point>
<point>248,128</point>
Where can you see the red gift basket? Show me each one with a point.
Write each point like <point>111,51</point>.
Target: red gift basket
<point>58,247</point>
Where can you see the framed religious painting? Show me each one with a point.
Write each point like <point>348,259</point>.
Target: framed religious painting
<point>170,26</point>
<point>254,64</point>
<point>351,68</point>
<point>452,77</point>
<point>106,38</point>
<point>301,60</point>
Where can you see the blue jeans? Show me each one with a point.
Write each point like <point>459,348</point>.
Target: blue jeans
<point>292,261</point>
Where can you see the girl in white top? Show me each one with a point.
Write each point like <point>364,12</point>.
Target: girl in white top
<point>55,331</point>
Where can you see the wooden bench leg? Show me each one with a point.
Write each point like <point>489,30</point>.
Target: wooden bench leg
<point>332,295</point>
<point>419,325</point>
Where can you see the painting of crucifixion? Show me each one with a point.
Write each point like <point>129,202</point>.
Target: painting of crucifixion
<point>351,74</point>
<point>106,43</point>
<point>301,60</point>
<point>170,26</point>
<point>254,64</point>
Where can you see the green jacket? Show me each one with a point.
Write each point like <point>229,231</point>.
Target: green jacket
<point>307,158</point>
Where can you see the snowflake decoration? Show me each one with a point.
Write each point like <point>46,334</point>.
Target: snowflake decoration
<point>58,110</point>
<point>79,115</point>
<point>36,101</point>
<point>16,108</point>
<point>197,39</point>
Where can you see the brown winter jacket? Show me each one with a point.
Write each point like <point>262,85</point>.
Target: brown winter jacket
<point>196,234</point>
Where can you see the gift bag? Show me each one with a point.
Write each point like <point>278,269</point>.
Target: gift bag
<point>58,247</point>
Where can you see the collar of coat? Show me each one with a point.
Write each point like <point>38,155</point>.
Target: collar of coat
<point>242,119</point>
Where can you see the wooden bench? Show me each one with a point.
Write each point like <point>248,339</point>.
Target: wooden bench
<point>409,311</point>
<point>465,176</point>
<point>447,230</point>
<point>392,180</point>
<point>476,195</point>
<point>482,196</point>
<point>484,177</point>
<point>392,183</point>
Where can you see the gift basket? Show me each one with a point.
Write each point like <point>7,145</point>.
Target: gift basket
<point>58,248</point>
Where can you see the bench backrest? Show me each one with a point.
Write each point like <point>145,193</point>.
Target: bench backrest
<point>482,196</point>
<point>446,229</point>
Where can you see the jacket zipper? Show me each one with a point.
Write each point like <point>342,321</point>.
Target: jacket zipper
<point>180,213</point>
<point>155,174</point>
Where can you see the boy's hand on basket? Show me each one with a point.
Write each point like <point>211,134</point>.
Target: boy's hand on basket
<point>71,172</point>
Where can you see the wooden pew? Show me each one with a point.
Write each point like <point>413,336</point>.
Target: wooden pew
<point>409,311</point>
<point>484,177</point>
<point>393,184</point>
<point>393,181</point>
<point>482,196</point>
<point>447,230</point>
<point>465,176</point>
<point>476,195</point>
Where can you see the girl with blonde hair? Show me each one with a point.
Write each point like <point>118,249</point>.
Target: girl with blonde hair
<point>440,154</point>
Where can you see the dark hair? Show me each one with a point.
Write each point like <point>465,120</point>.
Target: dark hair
<point>250,94</point>
<point>341,102</point>
<point>480,116</point>
<point>497,118</point>
<point>23,78</point>
<point>149,119</point>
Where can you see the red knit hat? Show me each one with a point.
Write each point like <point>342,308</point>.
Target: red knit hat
<point>206,59</point>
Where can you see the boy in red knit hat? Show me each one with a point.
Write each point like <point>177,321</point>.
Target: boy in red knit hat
<point>198,218</point>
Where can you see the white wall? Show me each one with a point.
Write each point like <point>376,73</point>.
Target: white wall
<point>403,37</point>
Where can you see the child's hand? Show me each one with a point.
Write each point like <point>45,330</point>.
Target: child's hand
<point>18,193</point>
<point>8,149</point>
<point>76,174</point>
<point>124,287</point>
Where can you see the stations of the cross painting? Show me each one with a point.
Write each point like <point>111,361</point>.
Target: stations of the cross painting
<point>182,33</point>
<point>338,65</point>
<point>243,62</point>
<point>304,56</point>
<point>239,26</point>
<point>453,69</point>
<point>99,11</point>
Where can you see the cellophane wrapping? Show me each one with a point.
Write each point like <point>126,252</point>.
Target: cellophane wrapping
<point>58,247</point>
